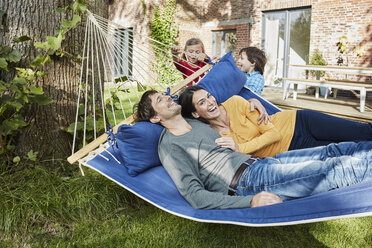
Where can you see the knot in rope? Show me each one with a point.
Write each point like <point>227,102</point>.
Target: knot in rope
<point>210,61</point>
<point>174,97</point>
<point>111,136</point>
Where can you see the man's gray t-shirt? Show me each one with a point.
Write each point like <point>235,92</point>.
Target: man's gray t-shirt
<point>201,169</point>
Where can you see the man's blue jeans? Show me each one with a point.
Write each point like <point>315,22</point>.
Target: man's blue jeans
<point>306,172</point>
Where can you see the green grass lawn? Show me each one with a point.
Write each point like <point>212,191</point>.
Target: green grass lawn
<point>43,207</point>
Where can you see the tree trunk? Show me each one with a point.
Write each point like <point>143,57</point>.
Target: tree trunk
<point>38,19</point>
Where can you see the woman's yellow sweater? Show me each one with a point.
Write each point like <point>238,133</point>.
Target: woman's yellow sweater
<point>264,140</point>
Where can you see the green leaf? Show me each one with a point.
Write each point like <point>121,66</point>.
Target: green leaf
<point>14,56</point>
<point>42,99</point>
<point>41,73</point>
<point>60,10</point>
<point>81,108</point>
<point>71,24</point>
<point>54,43</point>
<point>36,90</point>
<point>16,104</point>
<point>21,39</point>
<point>25,98</point>
<point>65,9</point>
<point>10,147</point>
<point>117,105</point>
<point>121,79</point>
<point>47,59</point>
<point>79,126</point>
<point>100,126</point>
<point>89,123</point>
<point>79,6</point>
<point>20,80</point>
<point>41,45</point>
<point>16,122</point>
<point>38,61</point>
<point>3,64</point>
<point>16,159</point>
<point>31,155</point>
<point>24,74</point>
<point>5,50</point>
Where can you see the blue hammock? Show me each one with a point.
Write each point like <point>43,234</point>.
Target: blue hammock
<point>156,187</point>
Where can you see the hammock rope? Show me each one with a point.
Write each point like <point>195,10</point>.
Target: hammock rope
<point>117,64</point>
<point>106,25</point>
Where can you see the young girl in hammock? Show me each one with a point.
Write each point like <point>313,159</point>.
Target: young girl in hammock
<point>192,59</point>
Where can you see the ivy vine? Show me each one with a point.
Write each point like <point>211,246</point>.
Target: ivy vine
<point>165,30</point>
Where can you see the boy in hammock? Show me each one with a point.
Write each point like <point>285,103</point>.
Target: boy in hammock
<point>209,176</point>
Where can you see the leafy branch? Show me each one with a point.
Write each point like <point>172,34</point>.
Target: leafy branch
<point>345,48</point>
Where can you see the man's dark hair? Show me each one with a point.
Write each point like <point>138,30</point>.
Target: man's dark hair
<point>143,109</point>
<point>185,100</point>
<point>257,56</point>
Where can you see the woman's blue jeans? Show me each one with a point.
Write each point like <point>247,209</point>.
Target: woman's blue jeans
<point>313,129</point>
<point>306,172</point>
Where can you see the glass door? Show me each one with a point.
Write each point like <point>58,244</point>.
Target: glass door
<point>286,40</point>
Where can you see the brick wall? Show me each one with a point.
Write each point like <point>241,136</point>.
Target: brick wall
<point>199,18</point>
<point>332,19</point>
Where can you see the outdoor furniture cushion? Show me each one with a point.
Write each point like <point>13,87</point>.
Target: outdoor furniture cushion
<point>138,145</point>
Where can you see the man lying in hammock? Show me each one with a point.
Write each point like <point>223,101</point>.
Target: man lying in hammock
<point>209,176</point>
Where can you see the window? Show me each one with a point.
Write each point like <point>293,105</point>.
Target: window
<point>123,49</point>
<point>223,42</point>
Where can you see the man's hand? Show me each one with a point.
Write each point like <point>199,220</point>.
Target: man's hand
<point>227,142</point>
<point>265,198</point>
<point>264,116</point>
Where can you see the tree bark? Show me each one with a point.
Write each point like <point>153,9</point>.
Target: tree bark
<point>38,19</point>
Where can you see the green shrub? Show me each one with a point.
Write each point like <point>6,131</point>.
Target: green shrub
<point>317,59</point>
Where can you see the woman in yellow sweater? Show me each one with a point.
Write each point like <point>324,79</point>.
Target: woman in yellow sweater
<point>288,130</point>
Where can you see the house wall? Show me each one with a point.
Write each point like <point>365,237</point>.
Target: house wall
<point>331,19</point>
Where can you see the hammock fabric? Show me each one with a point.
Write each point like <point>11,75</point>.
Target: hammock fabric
<point>156,187</point>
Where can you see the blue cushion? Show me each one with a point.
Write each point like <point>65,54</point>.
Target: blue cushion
<point>138,145</point>
<point>224,80</point>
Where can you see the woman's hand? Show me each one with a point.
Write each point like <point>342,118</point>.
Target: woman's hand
<point>264,116</point>
<point>227,142</point>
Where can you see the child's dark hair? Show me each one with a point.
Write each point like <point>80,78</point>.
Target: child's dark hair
<point>256,56</point>
<point>191,42</point>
